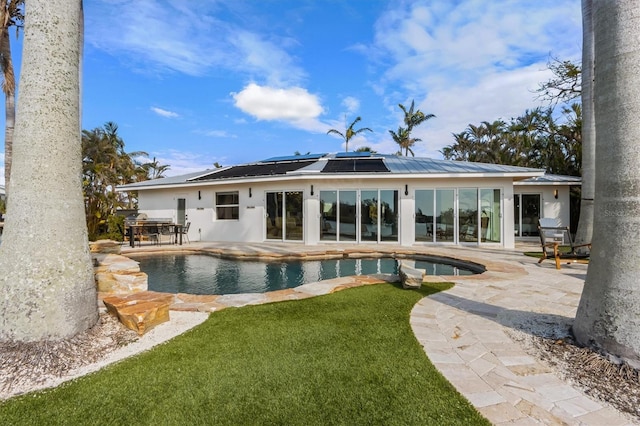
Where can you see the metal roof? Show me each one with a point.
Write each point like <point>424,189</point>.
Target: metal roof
<point>548,179</point>
<point>349,164</point>
<point>294,157</point>
<point>397,164</point>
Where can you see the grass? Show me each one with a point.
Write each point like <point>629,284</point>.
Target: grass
<point>347,358</point>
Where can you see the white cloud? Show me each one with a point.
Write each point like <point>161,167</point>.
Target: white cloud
<point>165,113</point>
<point>293,105</point>
<point>159,36</point>
<point>215,133</point>
<point>263,58</point>
<point>470,61</point>
<point>351,104</point>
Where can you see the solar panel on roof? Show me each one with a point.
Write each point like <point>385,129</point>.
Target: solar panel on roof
<point>294,158</point>
<point>267,169</point>
<point>355,166</point>
<point>354,154</point>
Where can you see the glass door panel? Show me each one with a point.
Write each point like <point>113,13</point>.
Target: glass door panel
<point>444,215</point>
<point>274,215</point>
<point>347,215</point>
<point>181,208</point>
<point>530,214</point>
<point>328,215</point>
<point>369,215</point>
<point>388,215</point>
<point>468,214</point>
<point>424,223</point>
<point>516,214</point>
<point>293,209</point>
<point>490,229</point>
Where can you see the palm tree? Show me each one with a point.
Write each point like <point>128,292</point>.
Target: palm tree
<point>47,287</point>
<point>105,166</point>
<point>154,169</point>
<point>349,133</point>
<point>584,232</point>
<point>11,14</point>
<point>609,309</point>
<point>404,139</point>
<point>414,118</point>
<point>366,149</point>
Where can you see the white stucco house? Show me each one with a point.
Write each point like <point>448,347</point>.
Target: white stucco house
<point>359,198</point>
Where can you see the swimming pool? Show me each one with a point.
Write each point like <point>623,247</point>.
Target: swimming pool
<point>204,274</point>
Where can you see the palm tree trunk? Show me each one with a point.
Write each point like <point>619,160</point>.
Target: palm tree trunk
<point>10,117</point>
<point>9,91</point>
<point>608,316</point>
<point>47,289</point>
<point>584,233</point>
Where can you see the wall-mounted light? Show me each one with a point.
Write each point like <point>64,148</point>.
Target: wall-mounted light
<point>406,190</point>
<point>250,192</point>
<point>555,194</point>
<point>199,196</point>
<point>311,189</point>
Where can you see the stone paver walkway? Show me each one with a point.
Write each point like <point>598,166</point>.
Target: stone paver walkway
<point>464,331</point>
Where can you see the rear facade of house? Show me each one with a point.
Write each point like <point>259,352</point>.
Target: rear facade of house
<point>357,198</point>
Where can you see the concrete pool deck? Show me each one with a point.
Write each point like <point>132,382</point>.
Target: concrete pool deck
<point>465,330</point>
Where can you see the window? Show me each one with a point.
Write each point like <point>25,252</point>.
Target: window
<point>227,205</point>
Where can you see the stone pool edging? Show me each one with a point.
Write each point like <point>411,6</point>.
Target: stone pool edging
<point>211,303</point>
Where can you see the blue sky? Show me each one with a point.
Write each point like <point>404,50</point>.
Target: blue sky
<point>203,81</point>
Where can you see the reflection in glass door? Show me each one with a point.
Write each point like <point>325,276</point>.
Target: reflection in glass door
<point>374,219</point>
<point>347,214</point>
<point>294,217</point>
<point>444,215</point>
<point>424,223</point>
<point>388,214</point>
<point>284,216</point>
<point>369,215</point>
<point>468,214</point>
<point>490,229</point>
<point>328,215</point>
<point>274,215</point>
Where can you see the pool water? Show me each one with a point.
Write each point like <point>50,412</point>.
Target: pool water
<point>203,274</point>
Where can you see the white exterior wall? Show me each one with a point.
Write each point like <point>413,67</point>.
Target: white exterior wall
<point>200,205</point>
<point>550,205</point>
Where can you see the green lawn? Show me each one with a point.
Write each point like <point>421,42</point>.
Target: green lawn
<point>347,358</point>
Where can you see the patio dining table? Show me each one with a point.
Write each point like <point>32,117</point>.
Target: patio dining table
<point>137,229</point>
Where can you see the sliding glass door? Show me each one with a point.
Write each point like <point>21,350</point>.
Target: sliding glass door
<point>373,219</point>
<point>460,215</point>
<point>284,216</point>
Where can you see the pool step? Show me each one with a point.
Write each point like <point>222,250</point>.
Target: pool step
<point>141,311</point>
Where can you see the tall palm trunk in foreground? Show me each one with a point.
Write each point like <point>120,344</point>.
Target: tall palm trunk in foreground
<point>608,316</point>
<point>584,233</point>
<point>10,15</point>
<point>47,290</point>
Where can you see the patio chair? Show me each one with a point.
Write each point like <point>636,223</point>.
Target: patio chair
<point>185,231</point>
<point>151,233</point>
<point>167,230</point>
<point>558,244</point>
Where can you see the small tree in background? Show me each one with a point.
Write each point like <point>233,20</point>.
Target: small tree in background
<point>350,132</point>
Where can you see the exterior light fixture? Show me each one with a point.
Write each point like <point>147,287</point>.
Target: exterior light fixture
<point>199,196</point>
<point>406,190</point>
<point>555,194</point>
<point>311,189</point>
<point>249,192</point>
